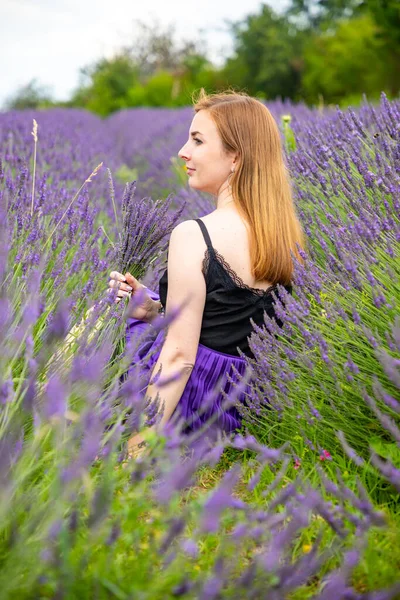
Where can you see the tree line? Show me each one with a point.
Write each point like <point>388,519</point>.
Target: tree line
<point>316,51</point>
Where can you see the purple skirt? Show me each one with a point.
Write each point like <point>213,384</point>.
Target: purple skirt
<point>217,383</point>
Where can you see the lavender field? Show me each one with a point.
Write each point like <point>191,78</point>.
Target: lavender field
<point>304,502</point>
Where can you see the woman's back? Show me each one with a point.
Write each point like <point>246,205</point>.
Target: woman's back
<point>233,297</point>
<point>229,237</point>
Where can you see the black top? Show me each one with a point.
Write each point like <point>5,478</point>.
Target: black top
<point>229,305</point>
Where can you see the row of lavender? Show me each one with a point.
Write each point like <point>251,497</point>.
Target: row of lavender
<point>337,366</point>
<point>103,531</point>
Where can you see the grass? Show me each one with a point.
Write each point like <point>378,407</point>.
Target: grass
<point>380,562</point>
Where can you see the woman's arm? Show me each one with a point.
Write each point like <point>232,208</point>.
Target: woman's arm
<point>187,291</point>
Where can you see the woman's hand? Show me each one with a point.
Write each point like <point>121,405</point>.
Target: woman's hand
<point>140,442</point>
<point>128,286</point>
<point>136,445</point>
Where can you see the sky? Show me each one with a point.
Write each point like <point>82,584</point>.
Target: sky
<point>50,40</point>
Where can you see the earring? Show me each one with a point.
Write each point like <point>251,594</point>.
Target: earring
<point>232,169</point>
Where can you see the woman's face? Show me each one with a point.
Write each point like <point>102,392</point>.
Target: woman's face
<point>208,164</point>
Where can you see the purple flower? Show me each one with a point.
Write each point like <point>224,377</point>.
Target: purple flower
<point>55,400</point>
<point>6,391</point>
<point>176,479</point>
<point>219,499</point>
<point>190,548</point>
<point>59,323</point>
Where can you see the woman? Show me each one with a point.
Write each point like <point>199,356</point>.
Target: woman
<point>223,267</point>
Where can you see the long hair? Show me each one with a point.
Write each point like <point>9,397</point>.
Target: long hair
<point>261,185</point>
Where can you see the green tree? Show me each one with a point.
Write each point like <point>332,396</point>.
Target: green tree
<point>267,55</point>
<point>31,95</point>
<point>196,72</point>
<point>156,92</point>
<point>386,14</point>
<point>343,62</point>
<point>313,14</point>
<point>155,48</point>
<point>153,71</point>
<point>105,85</point>
<point>383,48</point>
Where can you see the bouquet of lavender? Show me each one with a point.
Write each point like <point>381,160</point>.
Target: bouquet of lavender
<point>143,232</point>
<point>142,239</point>
<point>143,236</point>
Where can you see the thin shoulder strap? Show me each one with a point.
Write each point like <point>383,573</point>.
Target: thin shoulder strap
<point>206,235</point>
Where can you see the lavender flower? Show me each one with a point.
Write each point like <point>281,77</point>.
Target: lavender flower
<point>145,228</point>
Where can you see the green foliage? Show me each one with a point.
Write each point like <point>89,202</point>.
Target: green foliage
<point>266,59</point>
<point>125,174</point>
<point>154,71</point>
<point>349,58</point>
<point>314,13</point>
<point>387,18</point>
<point>106,85</point>
<point>159,89</point>
<point>32,95</point>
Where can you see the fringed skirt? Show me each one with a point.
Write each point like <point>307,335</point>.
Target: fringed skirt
<point>218,383</point>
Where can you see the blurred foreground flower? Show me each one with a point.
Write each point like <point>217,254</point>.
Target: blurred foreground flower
<point>325,455</point>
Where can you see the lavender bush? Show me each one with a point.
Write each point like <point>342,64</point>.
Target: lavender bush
<point>341,325</point>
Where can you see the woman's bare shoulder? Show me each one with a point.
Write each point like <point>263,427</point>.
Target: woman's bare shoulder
<point>225,224</point>
<point>188,235</point>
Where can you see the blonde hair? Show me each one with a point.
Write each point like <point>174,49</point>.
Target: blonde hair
<point>260,184</point>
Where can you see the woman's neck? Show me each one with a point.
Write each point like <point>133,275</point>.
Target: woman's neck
<point>225,199</point>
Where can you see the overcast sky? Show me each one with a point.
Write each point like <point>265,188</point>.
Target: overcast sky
<point>51,39</point>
